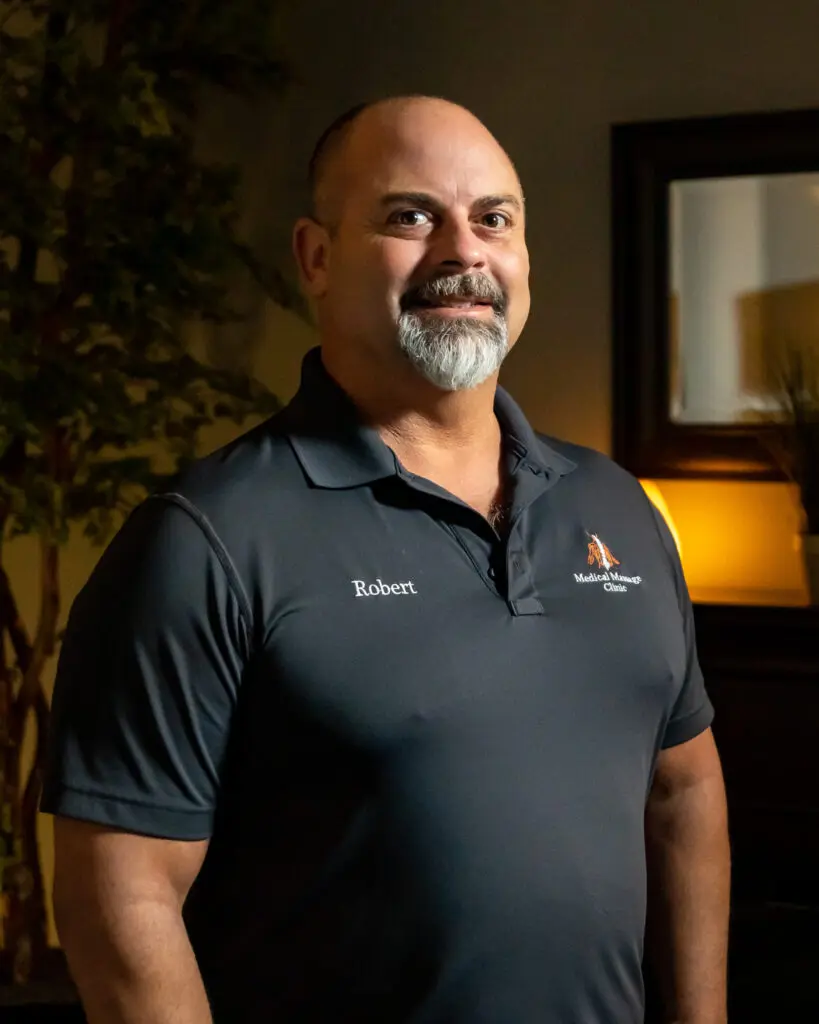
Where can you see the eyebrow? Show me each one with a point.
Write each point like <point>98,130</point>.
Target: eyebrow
<point>431,203</point>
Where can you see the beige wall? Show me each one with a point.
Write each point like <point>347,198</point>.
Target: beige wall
<point>548,78</point>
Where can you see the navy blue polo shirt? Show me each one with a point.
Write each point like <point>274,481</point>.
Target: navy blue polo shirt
<point>421,751</point>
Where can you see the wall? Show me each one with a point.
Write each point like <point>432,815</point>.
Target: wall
<point>548,78</point>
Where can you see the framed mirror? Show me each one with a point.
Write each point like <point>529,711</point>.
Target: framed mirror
<point>715,275</point>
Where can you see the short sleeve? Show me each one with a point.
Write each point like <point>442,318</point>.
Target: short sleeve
<point>148,679</point>
<point>692,712</point>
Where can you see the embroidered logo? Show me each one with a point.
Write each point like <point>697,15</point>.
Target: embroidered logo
<point>599,552</point>
<point>599,555</point>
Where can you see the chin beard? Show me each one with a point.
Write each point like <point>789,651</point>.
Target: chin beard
<point>453,353</point>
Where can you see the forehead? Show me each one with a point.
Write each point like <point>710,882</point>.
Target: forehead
<point>452,157</point>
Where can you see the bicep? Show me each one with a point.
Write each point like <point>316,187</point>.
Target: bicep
<point>107,870</point>
<point>687,788</point>
<point>687,764</point>
<point>687,798</point>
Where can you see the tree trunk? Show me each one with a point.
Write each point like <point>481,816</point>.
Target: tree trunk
<point>10,845</point>
<point>25,936</point>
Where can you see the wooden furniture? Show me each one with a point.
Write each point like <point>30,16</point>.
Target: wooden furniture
<point>761,666</point>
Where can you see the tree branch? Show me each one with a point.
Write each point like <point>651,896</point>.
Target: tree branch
<point>28,819</point>
<point>115,37</point>
<point>43,162</point>
<point>13,623</point>
<point>30,914</point>
<point>13,9</point>
<point>45,639</point>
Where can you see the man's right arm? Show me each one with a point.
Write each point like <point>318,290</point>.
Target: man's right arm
<point>118,901</point>
<point>147,685</point>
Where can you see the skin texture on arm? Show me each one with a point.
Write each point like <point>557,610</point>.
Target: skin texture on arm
<point>118,901</point>
<point>689,882</point>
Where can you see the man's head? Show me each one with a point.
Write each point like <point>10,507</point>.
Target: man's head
<point>416,247</point>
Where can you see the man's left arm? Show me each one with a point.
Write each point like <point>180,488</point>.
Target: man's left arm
<point>688,859</point>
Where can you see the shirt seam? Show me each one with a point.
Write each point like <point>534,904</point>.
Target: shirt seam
<point>465,547</point>
<point>219,549</point>
<point>679,584</point>
<point>130,802</point>
<point>677,730</point>
<point>704,706</point>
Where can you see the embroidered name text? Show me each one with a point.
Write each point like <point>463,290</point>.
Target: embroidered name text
<point>380,589</point>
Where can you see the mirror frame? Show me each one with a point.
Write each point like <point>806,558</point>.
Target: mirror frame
<point>646,157</point>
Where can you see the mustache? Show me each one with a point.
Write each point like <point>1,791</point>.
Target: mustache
<point>455,286</point>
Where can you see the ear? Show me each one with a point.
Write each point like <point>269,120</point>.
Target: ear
<point>311,249</point>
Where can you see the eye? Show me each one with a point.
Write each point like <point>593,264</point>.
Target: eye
<point>410,218</point>
<point>496,220</point>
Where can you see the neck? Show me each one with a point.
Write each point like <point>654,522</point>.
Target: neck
<point>423,424</point>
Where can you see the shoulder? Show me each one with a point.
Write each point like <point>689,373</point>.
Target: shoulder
<point>239,472</point>
<point>590,468</point>
<point>596,481</point>
<point>237,488</point>
<point>240,498</point>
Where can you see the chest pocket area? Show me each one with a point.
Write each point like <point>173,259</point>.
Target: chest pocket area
<point>384,639</point>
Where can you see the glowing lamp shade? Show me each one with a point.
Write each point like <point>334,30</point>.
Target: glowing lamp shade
<point>656,498</point>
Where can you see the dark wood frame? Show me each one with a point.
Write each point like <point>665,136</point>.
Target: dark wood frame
<point>646,158</point>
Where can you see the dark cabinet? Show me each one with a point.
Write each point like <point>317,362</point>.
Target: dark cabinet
<point>761,666</point>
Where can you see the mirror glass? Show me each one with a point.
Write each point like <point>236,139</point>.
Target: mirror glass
<point>744,283</point>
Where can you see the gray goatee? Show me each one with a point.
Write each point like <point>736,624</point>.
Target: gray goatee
<point>454,353</point>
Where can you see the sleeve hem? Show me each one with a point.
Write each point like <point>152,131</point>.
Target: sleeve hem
<point>156,822</point>
<point>681,730</point>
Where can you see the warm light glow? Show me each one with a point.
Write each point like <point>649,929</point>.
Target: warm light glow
<point>738,539</point>
<point>655,496</point>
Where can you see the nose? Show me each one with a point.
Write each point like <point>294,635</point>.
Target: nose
<point>458,248</point>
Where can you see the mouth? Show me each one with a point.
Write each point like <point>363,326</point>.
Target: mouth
<point>453,306</point>
<point>457,295</point>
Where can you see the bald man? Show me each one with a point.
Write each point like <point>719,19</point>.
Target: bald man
<point>390,712</point>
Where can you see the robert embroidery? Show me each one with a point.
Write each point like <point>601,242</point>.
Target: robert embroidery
<point>381,589</point>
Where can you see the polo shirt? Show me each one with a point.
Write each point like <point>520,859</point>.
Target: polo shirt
<point>421,750</point>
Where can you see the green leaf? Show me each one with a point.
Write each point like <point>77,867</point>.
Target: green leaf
<point>115,236</point>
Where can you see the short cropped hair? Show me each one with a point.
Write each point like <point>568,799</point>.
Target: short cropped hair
<point>330,142</point>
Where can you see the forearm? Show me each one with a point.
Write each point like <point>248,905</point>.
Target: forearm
<point>689,896</point>
<point>134,967</point>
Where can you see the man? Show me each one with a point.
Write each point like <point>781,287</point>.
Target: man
<point>363,721</point>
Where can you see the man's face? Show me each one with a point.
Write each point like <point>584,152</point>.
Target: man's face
<point>427,254</point>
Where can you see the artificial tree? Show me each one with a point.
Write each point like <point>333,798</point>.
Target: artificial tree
<point>791,433</point>
<point>799,434</point>
<point>115,236</point>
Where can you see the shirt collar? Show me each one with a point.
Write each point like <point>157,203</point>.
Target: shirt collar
<point>336,450</point>
<point>533,452</point>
